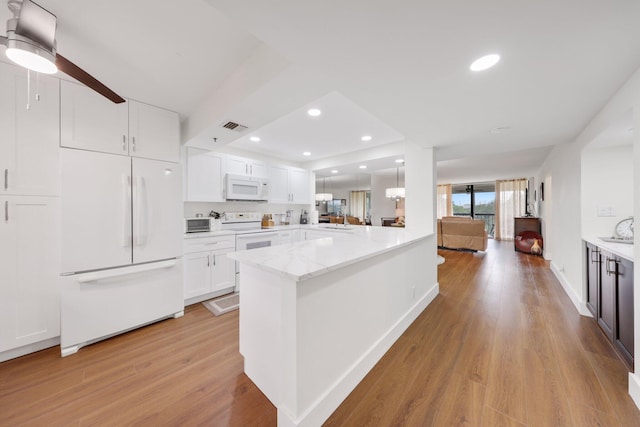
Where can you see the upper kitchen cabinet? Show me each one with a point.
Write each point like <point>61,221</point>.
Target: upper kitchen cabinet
<point>29,147</point>
<point>204,176</point>
<point>91,122</point>
<point>154,133</point>
<point>288,185</point>
<point>242,166</point>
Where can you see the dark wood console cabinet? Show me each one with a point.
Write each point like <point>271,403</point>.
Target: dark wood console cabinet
<point>525,223</point>
<point>610,297</point>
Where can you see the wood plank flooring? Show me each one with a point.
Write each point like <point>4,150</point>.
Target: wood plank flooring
<point>501,345</point>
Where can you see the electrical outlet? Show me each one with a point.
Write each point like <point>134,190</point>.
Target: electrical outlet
<point>606,210</point>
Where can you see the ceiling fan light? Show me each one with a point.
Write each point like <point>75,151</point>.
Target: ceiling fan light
<point>31,57</point>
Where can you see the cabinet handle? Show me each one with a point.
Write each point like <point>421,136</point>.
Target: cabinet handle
<point>6,211</point>
<point>124,142</point>
<point>6,179</point>
<point>246,169</point>
<point>611,271</point>
<point>214,260</point>
<point>133,139</point>
<point>250,169</point>
<point>208,261</point>
<point>597,253</point>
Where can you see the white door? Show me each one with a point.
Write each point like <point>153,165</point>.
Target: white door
<point>204,176</point>
<point>96,210</point>
<point>299,186</point>
<point>154,133</point>
<point>279,184</point>
<point>29,262</point>
<point>91,122</point>
<point>30,138</point>
<point>223,274</point>
<point>197,274</point>
<point>157,210</point>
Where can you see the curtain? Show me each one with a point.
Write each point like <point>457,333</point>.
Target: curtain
<point>510,203</point>
<point>444,202</point>
<point>358,204</point>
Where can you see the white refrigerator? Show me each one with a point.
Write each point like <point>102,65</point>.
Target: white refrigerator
<point>121,244</point>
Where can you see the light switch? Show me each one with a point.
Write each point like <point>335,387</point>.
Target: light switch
<point>606,210</point>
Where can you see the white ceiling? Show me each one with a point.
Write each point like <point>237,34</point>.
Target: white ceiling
<point>402,64</point>
<point>620,132</point>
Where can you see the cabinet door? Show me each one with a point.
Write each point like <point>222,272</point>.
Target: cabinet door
<point>279,184</point>
<point>593,263</point>
<point>89,121</point>
<point>204,176</point>
<point>154,133</point>
<point>223,272</point>
<point>29,284</point>
<point>606,305</point>
<point>29,147</point>
<point>299,185</point>
<point>197,274</point>
<point>623,332</point>
<point>236,165</point>
<point>258,169</point>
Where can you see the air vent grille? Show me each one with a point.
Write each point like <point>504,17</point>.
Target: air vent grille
<point>234,126</point>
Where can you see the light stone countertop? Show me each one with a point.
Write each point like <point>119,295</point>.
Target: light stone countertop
<point>623,250</point>
<point>310,258</point>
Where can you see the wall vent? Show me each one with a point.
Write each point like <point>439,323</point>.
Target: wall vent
<point>234,126</point>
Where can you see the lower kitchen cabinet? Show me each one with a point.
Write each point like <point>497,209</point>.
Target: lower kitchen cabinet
<point>208,271</point>
<point>610,297</point>
<point>30,281</point>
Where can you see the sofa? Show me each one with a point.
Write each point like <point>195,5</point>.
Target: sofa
<point>462,233</point>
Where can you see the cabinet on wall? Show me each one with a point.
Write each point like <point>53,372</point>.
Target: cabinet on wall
<point>610,297</point>
<point>30,136</point>
<point>288,185</point>
<point>90,122</point>
<point>243,166</point>
<point>208,271</point>
<point>204,176</point>
<point>29,261</point>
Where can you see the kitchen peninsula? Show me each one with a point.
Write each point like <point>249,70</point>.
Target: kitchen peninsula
<point>316,315</point>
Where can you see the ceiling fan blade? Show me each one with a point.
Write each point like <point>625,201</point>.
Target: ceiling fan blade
<point>72,70</point>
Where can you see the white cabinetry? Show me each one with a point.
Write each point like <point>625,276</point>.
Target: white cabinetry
<point>208,272</point>
<point>288,185</point>
<point>30,137</point>
<point>242,166</point>
<point>91,122</point>
<point>29,284</point>
<point>288,236</point>
<point>204,176</point>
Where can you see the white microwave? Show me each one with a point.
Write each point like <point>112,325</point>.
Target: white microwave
<point>241,187</point>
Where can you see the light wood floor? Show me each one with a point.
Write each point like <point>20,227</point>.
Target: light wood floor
<point>500,346</point>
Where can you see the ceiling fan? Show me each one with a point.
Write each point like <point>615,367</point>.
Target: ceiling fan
<point>31,43</point>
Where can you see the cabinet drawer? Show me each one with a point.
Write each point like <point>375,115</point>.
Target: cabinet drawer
<point>200,244</point>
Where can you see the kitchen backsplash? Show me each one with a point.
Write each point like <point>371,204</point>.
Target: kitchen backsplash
<point>192,208</point>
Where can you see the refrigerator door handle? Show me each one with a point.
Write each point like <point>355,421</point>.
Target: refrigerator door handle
<point>124,271</point>
<point>142,214</point>
<point>126,211</point>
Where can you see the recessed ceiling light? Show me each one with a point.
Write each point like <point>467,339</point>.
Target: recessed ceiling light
<point>501,129</point>
<point>314,112</point>
<point>399,160</point>
<point>255,138</point>
<point>362,166</point>
<point>485,62</point>
<point>306,153</point>
<point>334,171</point>
<point>366,138</point>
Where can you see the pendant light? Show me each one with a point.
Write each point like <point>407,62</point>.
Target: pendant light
<point>324,197</point>
<point>397,192</point>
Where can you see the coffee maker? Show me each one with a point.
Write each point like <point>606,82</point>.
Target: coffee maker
<point>304,219</point>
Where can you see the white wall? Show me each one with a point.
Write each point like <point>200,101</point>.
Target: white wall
<point>607,181</point>
<point>565,212</point>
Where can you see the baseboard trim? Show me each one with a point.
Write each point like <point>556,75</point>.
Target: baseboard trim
<point>29,348</point>
<point>634,388</point>
<point>330,401</point>
<point>580,306</point>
